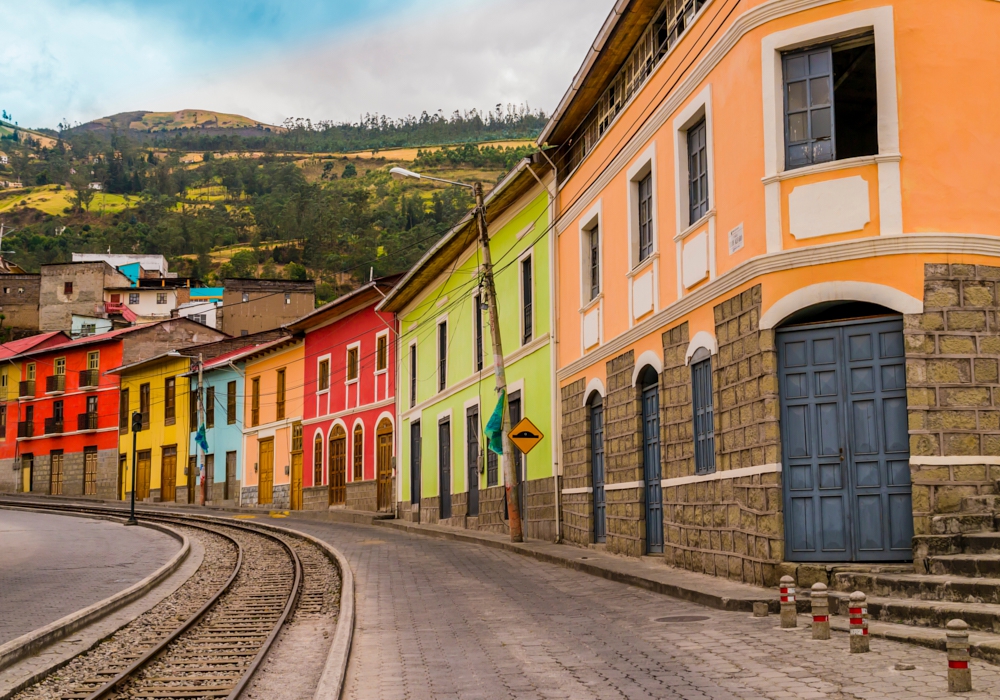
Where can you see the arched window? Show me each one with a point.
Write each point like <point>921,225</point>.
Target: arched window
<point>318,461</point>
<point>359,452</point>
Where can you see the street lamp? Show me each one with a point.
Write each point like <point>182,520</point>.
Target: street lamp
<point>201,420</point>
<point>136,427</point>
<point>511,478</point>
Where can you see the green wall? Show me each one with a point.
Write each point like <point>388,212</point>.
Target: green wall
<point>528,364</point>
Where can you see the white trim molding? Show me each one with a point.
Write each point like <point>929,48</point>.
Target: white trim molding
<point>701,339</point>
<point>839,291</point>
<point>624,485</point>
<point>581,489</point>
<point>647,359</point>
<point>771,468</point>
<point>949,461</point>
<point>593,385</point>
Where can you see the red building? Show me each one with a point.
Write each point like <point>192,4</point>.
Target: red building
<point>349,402</point>
<point>68,413</point>
<point>10,375</point>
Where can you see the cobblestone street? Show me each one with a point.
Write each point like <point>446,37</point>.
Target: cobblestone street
<point>452,620</point>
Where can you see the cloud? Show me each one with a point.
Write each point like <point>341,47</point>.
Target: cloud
<point>67,59</point>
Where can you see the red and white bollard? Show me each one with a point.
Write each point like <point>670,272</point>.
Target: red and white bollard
<point>820,611</point>
<point>859,622</point>
<point>788,614</point>
<point>959,673</point>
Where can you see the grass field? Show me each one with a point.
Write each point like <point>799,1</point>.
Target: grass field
<point>48,200</point>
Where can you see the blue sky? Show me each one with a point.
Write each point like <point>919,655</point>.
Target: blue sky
<point>82,59</point>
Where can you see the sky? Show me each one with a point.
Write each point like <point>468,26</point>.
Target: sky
<point>76,60</point>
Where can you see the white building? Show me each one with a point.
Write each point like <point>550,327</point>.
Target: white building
<point>204,312</point>
<point>147,303</point>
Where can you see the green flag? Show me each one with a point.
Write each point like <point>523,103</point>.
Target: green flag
<point>494,428</point>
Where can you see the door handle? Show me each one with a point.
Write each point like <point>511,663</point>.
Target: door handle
<point>841,454</point>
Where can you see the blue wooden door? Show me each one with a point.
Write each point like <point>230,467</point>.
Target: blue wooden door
<point>444,467</point>
<point>844,442</point>
<point>597,462</point>
<point>651,468</point>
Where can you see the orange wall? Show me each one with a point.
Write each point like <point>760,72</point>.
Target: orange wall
<point>291,359</point>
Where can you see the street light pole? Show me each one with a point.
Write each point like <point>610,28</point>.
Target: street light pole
<point>512,480</point>
<point>136,427</point>
<point>201,421</point>
<point>512,484</point>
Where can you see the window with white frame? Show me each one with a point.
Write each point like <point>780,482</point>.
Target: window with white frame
<point>323,378</point>
<point>645,222</point>
<point>592,239</point>
<point>527,301</point>
<point>352,363</point>
<point>161,297</point>
<point>831,105</point>
<point>133,297</point>
<point>413,375</point>
<point>381,353</point>
<point>442,355</point>
<point>697,149</point>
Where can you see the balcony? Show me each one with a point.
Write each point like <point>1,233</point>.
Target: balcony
<point>56,384</point>
<point>25,429</point>
<point>86,421</point>
<point>112,307</point>
<point>89,378</point>
<point>26,389</point>
<point>53,426</point>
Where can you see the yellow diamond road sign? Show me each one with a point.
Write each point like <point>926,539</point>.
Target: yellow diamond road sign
<point>525,435</point>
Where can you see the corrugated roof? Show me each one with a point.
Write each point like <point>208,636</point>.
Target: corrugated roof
<point>16,347</point>
<point>341,303</point>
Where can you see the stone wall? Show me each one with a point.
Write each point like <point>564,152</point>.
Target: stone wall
<point>491,510</point>
<point>10,475</point>
<point>953,389</point>
<point>362,495</point>
<point>626,532</point>
<point>315,498</point>
<point>41,472</point>
<point>430,508</point>
<point>730,527</point>
<point>541,519</point>
<point>577,508</point>
<point>249,496</point>
<point>181,494</point>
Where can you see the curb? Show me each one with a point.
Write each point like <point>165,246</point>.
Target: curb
<point>709,600</point>
<point>28,644</point>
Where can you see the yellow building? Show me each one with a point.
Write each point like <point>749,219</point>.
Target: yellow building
<point>272,433</point>
<point>156,389</point>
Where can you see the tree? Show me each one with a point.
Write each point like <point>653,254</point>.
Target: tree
<point>350,171</point>
<point>82,194</point>
<point>242,265</point>
<point>297,272</point>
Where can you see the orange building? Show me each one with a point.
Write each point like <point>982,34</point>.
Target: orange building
<point>777,249</point>
<point>272,432</point>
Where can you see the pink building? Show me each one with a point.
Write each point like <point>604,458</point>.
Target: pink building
<point>349,403</point>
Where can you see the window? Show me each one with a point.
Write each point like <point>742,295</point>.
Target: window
<point>477,301</point>
<point>704,425</point>
<point>697,171</point>
<point>198,318</point>
<point>280,396</point>
<point>92,405</point>
<point>231,403</point>
<point>492,476</point>
<point>94,360</point>
<point>244,332</point>
<point>413,375</point>
<point>161,297</point>
<point>442,355</point>
<point>381,353</point>
<point>526,302</point>
<point>352,364</point>
<point>133,297</point>
<point>255,401</point>
<point>318,461</point>
<point>324,375</point>
<point>246,297</point>
<point>3,421</point>
<point>646,217</point>
<point>67,288</point>
<point>169,400</point>
<point>297,436</point>
<point>88,329</point>
<point>359,449</point>
<point>830,102</point>
<point>60,366</point>
<point>594,248</point>
<point>193,396</point>
<point>31,371</point>
<point>123,416</point>
<point>144,405</point>
<point>288,298</point>
<point>210,407</point>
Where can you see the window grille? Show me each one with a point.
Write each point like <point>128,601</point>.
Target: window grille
<point>697,171</point>
<point>645,217</point>
<point>704,416</point>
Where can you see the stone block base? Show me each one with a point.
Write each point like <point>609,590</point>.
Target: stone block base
<point>315,498</point>
<point>362,495</point>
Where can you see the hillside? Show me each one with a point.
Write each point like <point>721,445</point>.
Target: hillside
<point>140,123</point>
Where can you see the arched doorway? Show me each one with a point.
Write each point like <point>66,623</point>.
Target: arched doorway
<point>844,434</point>
<point>648,385</point>
<point>383,442</point>
<point>337,478</point>
<point>596,408</point>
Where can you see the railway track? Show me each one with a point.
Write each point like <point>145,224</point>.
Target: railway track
<point>214,651</point>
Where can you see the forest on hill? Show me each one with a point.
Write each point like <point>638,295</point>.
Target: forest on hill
<point>219,213</point>
<point>370,132</point>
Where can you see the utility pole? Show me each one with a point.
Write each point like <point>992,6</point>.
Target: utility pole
<point>136,427</point>
<point>201,422</point>
<point>512,484</point>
